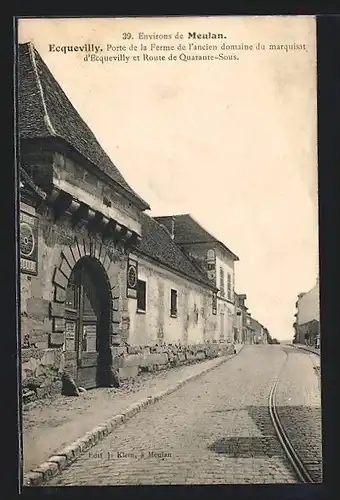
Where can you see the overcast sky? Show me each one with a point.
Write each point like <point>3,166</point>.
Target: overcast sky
<point>232,142</point>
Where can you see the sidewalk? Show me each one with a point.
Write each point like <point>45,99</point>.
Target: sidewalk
<point>51,425</point>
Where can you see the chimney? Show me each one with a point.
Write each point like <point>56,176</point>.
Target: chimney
<point>172,232</point>
<point>168,222</point>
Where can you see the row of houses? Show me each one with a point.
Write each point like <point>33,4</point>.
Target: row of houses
<point>307,317</point>
<point>247,329</point>
<point>100,278</point>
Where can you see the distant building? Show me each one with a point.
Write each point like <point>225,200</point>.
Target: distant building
<point>266,336</point>
<point>307,322</point>
<point>238,319</point>
<point>242,322</point>
<point>255,332</point>
<point>214,258</point>
<point>259,336</point>
<point>242,330</point>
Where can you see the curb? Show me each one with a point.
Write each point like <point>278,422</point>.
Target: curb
<point>65,457</point>
<point>314,351</point>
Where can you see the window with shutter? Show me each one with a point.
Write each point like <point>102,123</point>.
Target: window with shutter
<point>173,303</point>
<point>229,286</point>
<point>221,281</point>
<point>141,296</point>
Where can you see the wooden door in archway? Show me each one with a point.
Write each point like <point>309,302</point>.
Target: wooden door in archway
<point>87,328</point>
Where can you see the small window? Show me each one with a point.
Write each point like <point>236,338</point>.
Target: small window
<point>221,281</point>
<point>141,295</point>
<point>173,305</point>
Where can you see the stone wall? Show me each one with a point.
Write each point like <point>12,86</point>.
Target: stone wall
<point>41,369</point>
<point>40,373</point>
<point>132,360</point>
<point>43,296</point>
<point>62,241</point>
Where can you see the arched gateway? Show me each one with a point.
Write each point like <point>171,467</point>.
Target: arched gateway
<point>87,321</point>
<point>85,311</point>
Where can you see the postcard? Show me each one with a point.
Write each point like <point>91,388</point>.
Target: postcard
<point>169,281</point>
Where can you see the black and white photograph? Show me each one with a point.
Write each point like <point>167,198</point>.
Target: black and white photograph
<point>169,257</point>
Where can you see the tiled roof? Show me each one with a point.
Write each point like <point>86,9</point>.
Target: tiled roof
<point>187,230</point>
<point>45,111</point>
<point>157,244</point>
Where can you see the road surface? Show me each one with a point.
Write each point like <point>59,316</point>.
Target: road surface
<point>215,429</point>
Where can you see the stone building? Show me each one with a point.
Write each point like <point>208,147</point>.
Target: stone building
<point>266,336</point>
<point>238,319</point>
<point>174,302</point>
<point>259,337</point>
<point>74,244</point>
<point>243,323</point>
<point>216,261</point>
<point>82,260</point>
<point>307,322</point>
<point>247,329</point>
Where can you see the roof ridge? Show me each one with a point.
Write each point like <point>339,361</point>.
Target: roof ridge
<point>47,119</point>
<point>188,214</point>
<point>213,237</point>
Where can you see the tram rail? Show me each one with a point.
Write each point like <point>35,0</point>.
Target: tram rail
<point>294,459</point>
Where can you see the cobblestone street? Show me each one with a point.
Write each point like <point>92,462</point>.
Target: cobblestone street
<point>299,408</point>
<point>214,430</point>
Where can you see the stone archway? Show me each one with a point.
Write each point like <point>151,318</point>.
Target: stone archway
<point>87,321</point>
<point>87,259</point>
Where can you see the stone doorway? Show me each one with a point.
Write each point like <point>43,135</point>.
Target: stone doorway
<point>87,314</point>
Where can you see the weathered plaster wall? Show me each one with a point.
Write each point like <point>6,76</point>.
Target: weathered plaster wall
<point>228,268</point>
<point>226,312</point>
<point>194,323</point>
